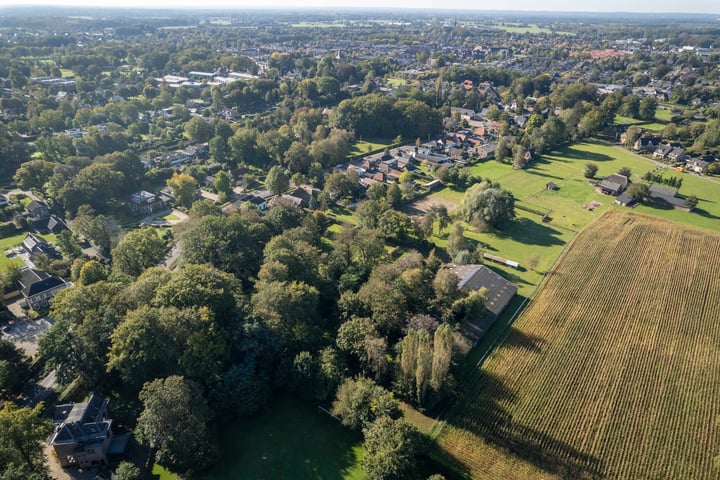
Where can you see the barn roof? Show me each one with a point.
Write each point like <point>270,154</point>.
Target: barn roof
<point>475,277</point>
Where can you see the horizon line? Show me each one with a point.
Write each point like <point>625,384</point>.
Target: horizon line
<point>240,8</point>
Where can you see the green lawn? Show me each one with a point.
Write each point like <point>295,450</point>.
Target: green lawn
<point>363,147</point>
<point>162,473</point>
<point>657,126</point>
<point>9,242</point>
<point>288,439</point>
<point>663,114</point>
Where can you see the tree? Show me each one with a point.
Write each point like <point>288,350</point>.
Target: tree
<point>23,432</point>
<point>277,180</point>
<point>198,130</point>
<point>590,170</point>
<point>456,240</point>
<point>691,201</point>
<point>174,423</point>
<point>391,447</point>
<point>648,106</point>
<point>488,204</point>
<point>639,191</point>
<point>632,135</point>
<point>183,187</point>
<point>360,401</point>
<point>139,249</point>
<point>126,471</point>
<point>67,242</point>
<point>91,272</point>
<point>223,183</point>
<point>625,171</point>
<point>14,369</point>
<point>289,309</point>
<point>218,149</point>
<point>34,174</point>
<point>153,343</point>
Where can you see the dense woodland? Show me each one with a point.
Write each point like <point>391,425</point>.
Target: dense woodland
<point>356,318</point>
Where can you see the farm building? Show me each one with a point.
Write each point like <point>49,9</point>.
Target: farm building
<point>499,293</point>
<point>475,277</point>
<point>614,184</point>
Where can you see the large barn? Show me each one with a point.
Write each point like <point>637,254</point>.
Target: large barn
<point>499,294</point>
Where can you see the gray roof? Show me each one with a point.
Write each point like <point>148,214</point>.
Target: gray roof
<point>474,277</point>
<point>33,282</point>
<point>82,422</point>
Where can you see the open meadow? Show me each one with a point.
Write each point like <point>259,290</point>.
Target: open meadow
<point>610,372</point>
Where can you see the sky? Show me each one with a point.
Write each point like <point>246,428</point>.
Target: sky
<point>645,6</point>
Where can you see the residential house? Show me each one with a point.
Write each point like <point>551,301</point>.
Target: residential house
<point>38,287</point>
<point>33,245</point>
<point>677,155</point>
<point>146,203</point>
<point>614,184</point>
<point>83,434</point>
<point>662,152</point>
<point>647,144</point>
<point>38,210</point>
<point>53,224</point>
<point>696,165</point>
<point>487,151</point>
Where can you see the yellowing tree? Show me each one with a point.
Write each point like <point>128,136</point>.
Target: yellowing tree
<point>183,187</point>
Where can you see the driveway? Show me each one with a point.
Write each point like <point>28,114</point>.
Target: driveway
<point>26,333</point>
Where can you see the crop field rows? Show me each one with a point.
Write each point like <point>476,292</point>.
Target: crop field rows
<point>613,371</point>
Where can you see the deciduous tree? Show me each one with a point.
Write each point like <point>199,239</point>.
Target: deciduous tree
<point>391,447</point>
<point>183,187</point>
<point>174,424</point>
<point>139,249</point>
<point>488,204</point>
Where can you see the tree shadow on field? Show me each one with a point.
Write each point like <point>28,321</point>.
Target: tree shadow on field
<point>526,231</point>
<point>509,275</point>
<point>481,409</point>
<point>704,214</point>
<point>573,153</point>
<point>534,171</point>
<point>525,341</point>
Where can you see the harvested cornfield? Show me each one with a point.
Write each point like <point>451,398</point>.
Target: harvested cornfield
<point>613,371</point>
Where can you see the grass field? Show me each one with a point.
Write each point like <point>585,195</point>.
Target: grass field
<point>10,242</point>
<point>289,439</point>
<point>611,372</point>
<point>528,235</point>
<point>657,126</point>
<point>363,147</point>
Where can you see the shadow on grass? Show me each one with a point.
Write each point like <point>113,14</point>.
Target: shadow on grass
<point>704,214</point>
<point>573,153</point>
<point>534,171</point>
<point>481,410</point>
<point>507,274</point>
<point>287,439</point>
<point>524,230</point>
